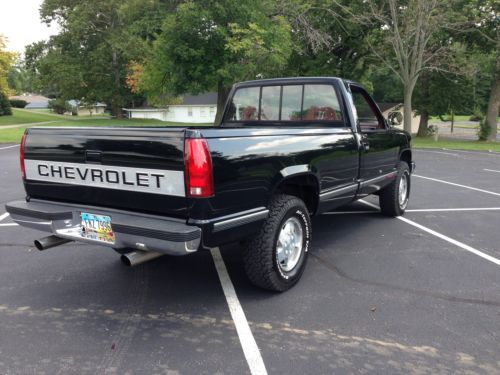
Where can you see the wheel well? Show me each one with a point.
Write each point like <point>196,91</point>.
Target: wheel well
<point>406,156</point>
<point>304,187</point>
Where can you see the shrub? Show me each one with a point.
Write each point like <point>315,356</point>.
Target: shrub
<point>476,116</point>
<point>59,106</point>
<point>5,108</point>
<point>18,103</point>
<point>484,130</point>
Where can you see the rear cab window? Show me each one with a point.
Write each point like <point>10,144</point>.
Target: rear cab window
<point>286,104</point>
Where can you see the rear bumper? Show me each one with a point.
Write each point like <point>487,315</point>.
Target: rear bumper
<point>132,230</point>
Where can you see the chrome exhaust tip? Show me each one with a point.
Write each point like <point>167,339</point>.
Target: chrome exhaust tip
<point>137,257</point>
<point>50,241</point>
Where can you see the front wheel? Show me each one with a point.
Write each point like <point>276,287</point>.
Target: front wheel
<point>276,257</point>
<point>394,198</point>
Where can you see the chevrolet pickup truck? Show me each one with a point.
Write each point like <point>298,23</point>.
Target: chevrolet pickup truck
<point>284,150</point>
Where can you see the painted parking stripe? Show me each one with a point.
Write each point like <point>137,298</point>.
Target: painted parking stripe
<point>438,152</point>
<point>3,216</point>
<point>459,185</point>
<point>420,210</point>
<point>247,341</point>
<point>443,237</point>
<point>8,225</point>
<point>454,209</point>
<point>490,170</point>
<point>5,148</point>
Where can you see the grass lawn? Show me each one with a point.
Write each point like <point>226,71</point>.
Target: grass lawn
<point>26,117</point>
<point>455,144</point>
<point>13,135</point>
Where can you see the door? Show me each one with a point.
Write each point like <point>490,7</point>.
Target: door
<point>379,148</point>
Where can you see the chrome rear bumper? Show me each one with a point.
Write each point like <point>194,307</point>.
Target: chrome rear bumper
<point>131,230</point>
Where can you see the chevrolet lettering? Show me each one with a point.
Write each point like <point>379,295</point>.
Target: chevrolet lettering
<point>285,149</point>
<point>121,178</point>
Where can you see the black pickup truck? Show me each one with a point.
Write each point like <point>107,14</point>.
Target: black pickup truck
<point>285,149</point>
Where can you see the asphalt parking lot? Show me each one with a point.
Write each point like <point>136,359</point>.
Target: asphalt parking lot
<point>379,295</point>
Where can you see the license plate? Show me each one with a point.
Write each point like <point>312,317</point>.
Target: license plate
<point>97,227</point>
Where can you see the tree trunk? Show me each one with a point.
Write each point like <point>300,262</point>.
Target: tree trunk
<point>222,94</point>
<point>494,103</point>
<point>423,125</point>
<point>407,111</point>
<point>452,121</point>
<point>116,101</point>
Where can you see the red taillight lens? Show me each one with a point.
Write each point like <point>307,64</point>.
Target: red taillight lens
<point>21,156</point>
<point>199,176</point>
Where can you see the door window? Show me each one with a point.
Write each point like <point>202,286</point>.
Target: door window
<point>368,116</point>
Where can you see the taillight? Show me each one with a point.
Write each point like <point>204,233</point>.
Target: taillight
<point>199,176</point>
<point>21,156</point>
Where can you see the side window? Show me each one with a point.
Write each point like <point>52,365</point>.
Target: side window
<point>245,105</point>
<point>367,115</point>
<point>270,103</point>
<point>291,103</point>
<point>321,103</point>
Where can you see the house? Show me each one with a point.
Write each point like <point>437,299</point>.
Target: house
<point>34,101</point>
<point>78,108</point>
<point>394,113</point>
<point>194,109</point>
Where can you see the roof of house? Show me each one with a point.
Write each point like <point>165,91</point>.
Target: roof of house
<point>30,98</point>
<point>208,98</point>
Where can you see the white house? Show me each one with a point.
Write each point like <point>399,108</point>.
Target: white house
<point>80,109</point>
<point>194,109</point>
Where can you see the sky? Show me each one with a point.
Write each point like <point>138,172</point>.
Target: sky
<point>20,24</point>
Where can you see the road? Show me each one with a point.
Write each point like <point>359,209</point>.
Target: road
<point>379,295</point>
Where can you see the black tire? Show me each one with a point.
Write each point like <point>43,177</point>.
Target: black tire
<point>389,197</point>
<point>260,257</point>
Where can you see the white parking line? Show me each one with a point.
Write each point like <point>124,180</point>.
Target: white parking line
<point>453,209</point>
<point>437,152</point>
<point>247,341</point>
<point>9,225</point>
<point>490,170</point>
<point>5,148</point>
<point>419,210</point>
<point>459,185</point>
<point>443,237</point>
<point>3,216</point>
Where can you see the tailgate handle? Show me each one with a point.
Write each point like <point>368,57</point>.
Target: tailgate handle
<point>93,156</point>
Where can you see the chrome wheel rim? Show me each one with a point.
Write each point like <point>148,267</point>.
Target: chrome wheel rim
<point>403,190</point>
<point>289,245</point>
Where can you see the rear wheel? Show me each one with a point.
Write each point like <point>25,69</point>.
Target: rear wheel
<point>394,198</point>
<point>275,259</point>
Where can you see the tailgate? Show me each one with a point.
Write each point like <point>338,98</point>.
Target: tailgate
<point>138,169</point>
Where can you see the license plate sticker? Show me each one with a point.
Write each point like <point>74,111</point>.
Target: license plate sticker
<point>97,227</point>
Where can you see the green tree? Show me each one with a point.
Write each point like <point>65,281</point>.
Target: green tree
<point>20,79</point>
<point>88,59</point>
<point>208,45</point>
<point>486,23</point>
<point>409,37</point>
<point>6,60</point>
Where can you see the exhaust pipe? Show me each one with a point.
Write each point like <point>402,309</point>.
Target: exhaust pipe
<point>137,257</point>
<point>50,241</point>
